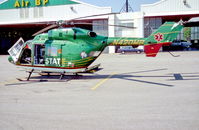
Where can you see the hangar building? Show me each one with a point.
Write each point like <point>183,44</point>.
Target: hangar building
<point>168,10</point>
<point>152,16</point>
<point>22,18</point>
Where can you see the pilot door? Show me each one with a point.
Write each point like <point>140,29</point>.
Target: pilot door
<point>16,50</point>
<point>39,54</point>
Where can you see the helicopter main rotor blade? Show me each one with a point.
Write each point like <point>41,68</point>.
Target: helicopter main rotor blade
<point>122,26</point>
<point>79,18</point>
<point>67,22</point>
<point>103,25</point>
<point>45,29</point>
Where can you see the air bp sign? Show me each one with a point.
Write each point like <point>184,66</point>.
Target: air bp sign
<point>13,4</point>
<point>26,3</point>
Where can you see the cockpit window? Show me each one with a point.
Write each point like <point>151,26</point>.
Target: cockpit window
<point>92,34</point>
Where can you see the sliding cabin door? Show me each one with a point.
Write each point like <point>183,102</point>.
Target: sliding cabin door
<point>53,56</point>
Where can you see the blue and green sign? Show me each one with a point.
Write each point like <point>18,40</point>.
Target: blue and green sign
<point>13,4</point>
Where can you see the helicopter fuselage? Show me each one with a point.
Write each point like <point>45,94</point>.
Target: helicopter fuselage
<point>62,50</point>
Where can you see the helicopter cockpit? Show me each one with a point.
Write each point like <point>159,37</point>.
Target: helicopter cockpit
<point>20,52</point>
<point>25,57</point>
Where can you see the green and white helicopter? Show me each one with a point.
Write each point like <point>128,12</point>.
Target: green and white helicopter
<point>73,50</point>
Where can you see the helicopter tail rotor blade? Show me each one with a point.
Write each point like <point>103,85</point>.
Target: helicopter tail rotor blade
<point>45,29</point>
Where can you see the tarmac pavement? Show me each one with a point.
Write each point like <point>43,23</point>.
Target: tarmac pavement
<point>132,92</point>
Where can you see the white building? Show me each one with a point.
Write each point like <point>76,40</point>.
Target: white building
<point>131,19</point>
<point>25,17</point>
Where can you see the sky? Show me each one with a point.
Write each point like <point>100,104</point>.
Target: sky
<point>118,4</point>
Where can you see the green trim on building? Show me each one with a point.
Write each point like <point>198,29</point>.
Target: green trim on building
<point>14,4</point>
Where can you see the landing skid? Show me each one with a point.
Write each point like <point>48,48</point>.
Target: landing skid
<point>74,75</point>
<point>50,78</point>
<point>41,80</point>
<point>25,80</point>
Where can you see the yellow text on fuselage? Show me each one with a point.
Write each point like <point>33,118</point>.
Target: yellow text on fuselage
<point>124,42</point>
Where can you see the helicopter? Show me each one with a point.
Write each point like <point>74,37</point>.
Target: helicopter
<point>73,50</point>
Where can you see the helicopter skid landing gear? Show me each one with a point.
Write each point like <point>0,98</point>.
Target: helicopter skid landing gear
<point>62,75</point>
<point>28,79</point>
<point>30,73</point>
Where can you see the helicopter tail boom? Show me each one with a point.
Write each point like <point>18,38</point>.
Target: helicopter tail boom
<point>163,36</point>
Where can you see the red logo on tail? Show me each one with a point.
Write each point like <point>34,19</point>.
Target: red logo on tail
<point>159,37</point>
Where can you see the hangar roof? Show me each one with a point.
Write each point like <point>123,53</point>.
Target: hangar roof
<point>171,7</point>
<point>32,11</point>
